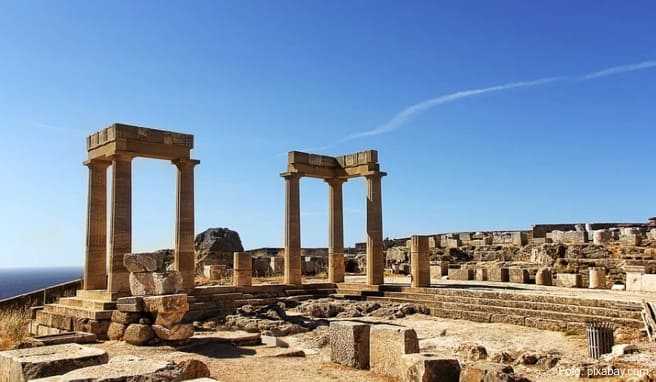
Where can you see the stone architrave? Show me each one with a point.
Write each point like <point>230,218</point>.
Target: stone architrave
<point>184,224</point>
<point>95,265</point>
<point>349,343</point>
<point>335,231</point>
<point>292,230</point>
<point>375,253</point>
<point>243,269</point>
<point>46,361</point>
<point>144,262</point>
<point>387,343</point>
<point>121,223</point>
<point>419,261</point>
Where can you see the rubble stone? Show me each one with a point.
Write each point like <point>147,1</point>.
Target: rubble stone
<point>115,331</point>
<point>426,367</point>
<point>138,334</point>
<point>543,277</point>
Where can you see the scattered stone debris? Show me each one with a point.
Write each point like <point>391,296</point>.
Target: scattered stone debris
<point>328,308</point>
<point>270,318</point>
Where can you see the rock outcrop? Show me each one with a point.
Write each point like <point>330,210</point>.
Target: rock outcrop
<point>215,246</point>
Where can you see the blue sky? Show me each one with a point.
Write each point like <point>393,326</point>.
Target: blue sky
<point>486,115</point>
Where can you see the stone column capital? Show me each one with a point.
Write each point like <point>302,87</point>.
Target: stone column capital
<point>123,157</point>
<point>290,175</point>
<point>335,181</point>
<point>97,163</point>
<point>375,174</point>
<point>185,162</point>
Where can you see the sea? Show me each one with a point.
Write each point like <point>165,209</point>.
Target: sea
<point>15,281</point>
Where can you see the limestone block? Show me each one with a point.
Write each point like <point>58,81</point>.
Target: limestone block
<point>499,274</point>
<point>144,262</point>
<point>175,332</point>
<point>568,280</point>
<point>544,277</point>
<point>125,318</point>
<point>130,304</point>
<point>132,368</point>
<point>634,278</point>
<point>166,303</point>
<point>481,274</point>
<point>453,243</point>
<point>569,237</point>
<point>648,283</point>
<point>138,334</point>
<point>154,283</point>
<point>651,235</point>
<point>519,238</point>
<point>518,275</point>
<point>597,278</point>
<point>601,237</point>
<point>45,361</point>
<point>387,343</point>
<point>631,237</point>
<point>349,343</point>
<point>243,269</point>
<point>215,272</point>
<point>461,274</point>
<point>425,367</point>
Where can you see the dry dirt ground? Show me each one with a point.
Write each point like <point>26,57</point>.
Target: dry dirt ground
<point>229,363</point>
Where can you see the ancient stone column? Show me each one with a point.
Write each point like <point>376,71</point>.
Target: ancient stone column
<point>597,279</point>
<point>375,253</point>
<point>419,261</point>
<point>184,221</point>
<point>121,223</point>
<point>95,261</point>
<point>292,229</point>
<point>242,269</point>
<point>335,231</point>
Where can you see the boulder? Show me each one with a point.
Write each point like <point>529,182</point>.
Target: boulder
<point>215,246</point>
<point>387,343</point>
<point>138,334</point>
<point>168,319</point>
<point>176,332</point>
<point>144,262</point>
<point>349,343</point>
<point>131,368</point>
<point>422,367</point>
<point>45,361</point>
<point>125,318</point>
<point>155,283</point>
<point>115,331</point>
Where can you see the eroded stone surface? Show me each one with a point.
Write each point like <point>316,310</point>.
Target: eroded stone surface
<point>45,361</point>
<point>138,334</point>
<point>155,283</point>
<point>166,303</point>
<point>144,262</point>
<point>174,333</point>
<point>349,344</point>
<point>426,367</point>
<point>387,343</point>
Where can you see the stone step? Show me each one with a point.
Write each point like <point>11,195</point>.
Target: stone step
<point>99,295</point>
<point>87,304</point>
<point>254,302</point>
<point>567,308</point>
<point>78,312</point>
<point>358,286</point>
<point>346,296</point>
<point>295,292</point>
<point>214,297</point>
<point>530,296</point>
<point>488,311</point>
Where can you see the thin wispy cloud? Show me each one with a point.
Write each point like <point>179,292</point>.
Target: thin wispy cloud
<point>409,113</point>
<point>619,70</point>
<point>60,129</point>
